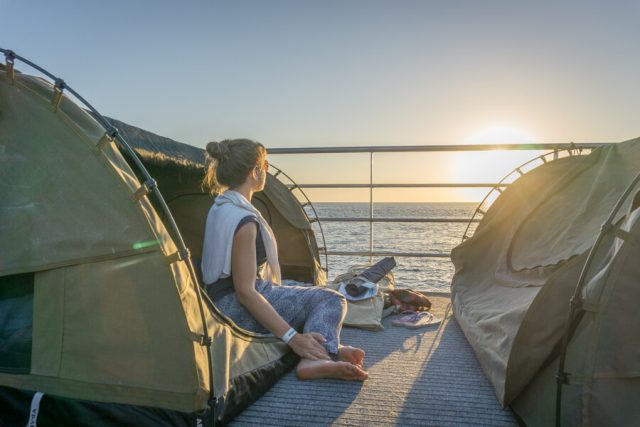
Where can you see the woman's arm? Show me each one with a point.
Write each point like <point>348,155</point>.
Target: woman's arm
<point>243,266</point>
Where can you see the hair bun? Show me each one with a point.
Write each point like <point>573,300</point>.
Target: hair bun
<point>218,150</point>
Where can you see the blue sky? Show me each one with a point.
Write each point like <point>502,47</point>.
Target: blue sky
<point>309,73</point>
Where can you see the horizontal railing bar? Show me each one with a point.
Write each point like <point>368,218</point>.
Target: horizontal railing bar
<point>425,185</point>
<point>374,219</point>
<point>400,254</point>
<point>450,147</point>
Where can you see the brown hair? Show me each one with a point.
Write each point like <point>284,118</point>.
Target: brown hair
<point>230,162</point>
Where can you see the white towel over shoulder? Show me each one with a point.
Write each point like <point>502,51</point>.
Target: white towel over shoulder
<point>223,219</point>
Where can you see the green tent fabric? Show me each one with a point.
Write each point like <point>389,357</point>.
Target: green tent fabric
<point>603,356</point>
<point>103,308</point>
<point>515,276</point>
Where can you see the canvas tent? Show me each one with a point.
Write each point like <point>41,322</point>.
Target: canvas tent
<point>514,279</point>
<point>98,308</point>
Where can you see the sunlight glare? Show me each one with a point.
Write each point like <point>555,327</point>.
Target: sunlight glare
<point>490,166</point>
<point>500,135</point>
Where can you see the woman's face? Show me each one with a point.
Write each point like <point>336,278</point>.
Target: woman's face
<point>260,175</point>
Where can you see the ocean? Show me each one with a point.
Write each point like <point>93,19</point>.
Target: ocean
<point>428,274</point>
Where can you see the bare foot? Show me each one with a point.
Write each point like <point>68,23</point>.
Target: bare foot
<point>315,369</point>
<point>353,355</point>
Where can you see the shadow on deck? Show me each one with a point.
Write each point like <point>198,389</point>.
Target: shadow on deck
<point>428,376</point>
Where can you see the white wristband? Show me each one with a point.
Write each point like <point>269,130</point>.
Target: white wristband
<point>288,335</point>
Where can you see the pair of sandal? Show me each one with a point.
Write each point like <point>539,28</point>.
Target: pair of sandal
<point>415,319</point>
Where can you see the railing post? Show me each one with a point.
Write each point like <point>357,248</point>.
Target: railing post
<point>370,207</point>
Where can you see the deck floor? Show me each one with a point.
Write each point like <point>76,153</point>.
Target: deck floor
<point>422,377</point>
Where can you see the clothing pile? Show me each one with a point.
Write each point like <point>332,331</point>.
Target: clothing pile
<point>407,300</point>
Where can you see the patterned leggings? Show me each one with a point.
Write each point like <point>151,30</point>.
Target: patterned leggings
<point>310,309</point>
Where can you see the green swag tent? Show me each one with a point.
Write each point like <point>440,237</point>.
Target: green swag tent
<point>515,277</point>
<point>99,310</point>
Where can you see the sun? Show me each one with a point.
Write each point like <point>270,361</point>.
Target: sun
<point>490,166</point>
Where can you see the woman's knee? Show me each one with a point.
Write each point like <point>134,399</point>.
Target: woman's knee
<point>336,296</point>
<point>325,297</point>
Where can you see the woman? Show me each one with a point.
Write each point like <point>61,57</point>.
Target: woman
<point>242,275</point>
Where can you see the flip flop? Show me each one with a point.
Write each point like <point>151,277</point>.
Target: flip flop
<point>403,318</point>
<point>415,320</point>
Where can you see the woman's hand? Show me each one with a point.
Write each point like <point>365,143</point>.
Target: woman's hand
<point>309,346</point>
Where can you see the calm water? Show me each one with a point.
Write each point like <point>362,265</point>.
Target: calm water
<point>416,273</point>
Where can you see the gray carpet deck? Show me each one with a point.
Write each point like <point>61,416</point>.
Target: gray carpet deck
<point>422,377</point>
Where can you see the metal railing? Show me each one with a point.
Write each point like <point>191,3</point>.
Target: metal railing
<point>554,151</point>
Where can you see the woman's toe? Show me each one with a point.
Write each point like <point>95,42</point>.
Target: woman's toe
<point>357,372</point>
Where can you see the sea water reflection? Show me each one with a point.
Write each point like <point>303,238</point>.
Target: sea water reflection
<point>417,273</point>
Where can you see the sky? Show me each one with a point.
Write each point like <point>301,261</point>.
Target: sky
<point>344,73</point>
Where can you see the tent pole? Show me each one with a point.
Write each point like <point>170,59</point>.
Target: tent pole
<point>370,207</point>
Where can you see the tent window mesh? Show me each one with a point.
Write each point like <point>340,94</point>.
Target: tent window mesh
<point>16,323</point>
